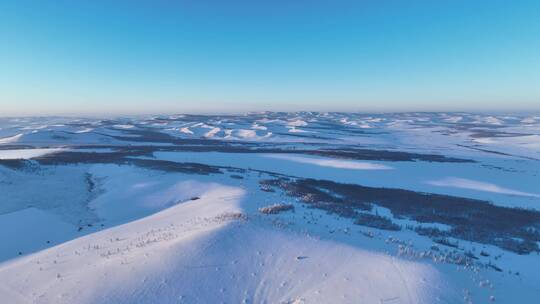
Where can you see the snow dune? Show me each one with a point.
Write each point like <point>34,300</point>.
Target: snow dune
<point>528,120</point>
<point>493,120</point>
<point>186,130</point>
<point>256,126</point>
<point>295,130</point>
<point>243,133</point>
<point>454,119</point>
<point>124,126</point>
<point>85,130</point>
<point>212,132</point>
<point>463,183</point>
<point>333,163</point>
<point>297,123</point>
<point>359,124</point>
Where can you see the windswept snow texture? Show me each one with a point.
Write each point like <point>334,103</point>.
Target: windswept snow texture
<point>267,207</point>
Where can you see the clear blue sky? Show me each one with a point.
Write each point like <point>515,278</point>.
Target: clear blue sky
<point>160,56</point>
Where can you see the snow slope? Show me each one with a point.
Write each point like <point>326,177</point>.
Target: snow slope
<point>207,251</point>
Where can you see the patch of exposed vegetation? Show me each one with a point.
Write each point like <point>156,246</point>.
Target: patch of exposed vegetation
<point>276,208</point>
<point>76,157</point>
<point>176,144</point>
<point>15,164</point>
<point>170,166</point>
<point>376,221</point>
<point>126,157</point>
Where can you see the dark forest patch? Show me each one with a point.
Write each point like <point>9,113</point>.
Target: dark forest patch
<point>126,157</point>
<point>513,229</point>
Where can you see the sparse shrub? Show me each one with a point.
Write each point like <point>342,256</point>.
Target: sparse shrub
<point>376,221</point>
<point>276,208</point>
<point>513,229</point>
<point>446,242</point>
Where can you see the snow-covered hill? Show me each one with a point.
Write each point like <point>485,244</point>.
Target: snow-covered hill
<point>209,251</point>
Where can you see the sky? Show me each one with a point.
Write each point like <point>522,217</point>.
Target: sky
<point>200,56</point>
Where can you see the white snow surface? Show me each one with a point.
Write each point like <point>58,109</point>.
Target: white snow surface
<point>332,163</point>
<point>297,123</point>
<point>124,126</point>
<point>212,132</point>
<point>186,130</point>
<point>27,153</point>
<point>478,186</point>
<point>11,139</point>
